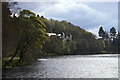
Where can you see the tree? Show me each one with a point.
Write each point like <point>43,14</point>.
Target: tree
<point>42,16</point>
<point>101,32</point>
<point>31,32</point>
<point>26,13</point>
<point>9,31</point>
<point>5,25</point>
<point>112,31</point>
<point>114,43</point>
<point>38,15</point>
<point>81,40</point>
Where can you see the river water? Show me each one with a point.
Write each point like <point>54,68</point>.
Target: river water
<point>70,66</point>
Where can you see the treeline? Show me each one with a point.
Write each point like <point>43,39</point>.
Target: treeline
<point>25,38</point>
<point>110,39</point>
<point>83,42</point>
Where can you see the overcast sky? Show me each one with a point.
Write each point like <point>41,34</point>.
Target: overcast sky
<point>88,15</point>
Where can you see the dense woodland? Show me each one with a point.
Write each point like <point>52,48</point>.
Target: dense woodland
<point>25,38</point>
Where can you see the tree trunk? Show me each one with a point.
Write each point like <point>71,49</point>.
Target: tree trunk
<point>12,57</point>
<point>21,55</point>
<point>20,60</point>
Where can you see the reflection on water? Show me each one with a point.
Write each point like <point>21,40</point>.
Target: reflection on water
<point>75,66</point>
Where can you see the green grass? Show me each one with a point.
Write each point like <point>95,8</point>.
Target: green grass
<point>13,63</point>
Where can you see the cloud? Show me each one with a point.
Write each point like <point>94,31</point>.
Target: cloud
<point>94,30</point>
<point>79,14</point>
<point>36,7</point>
<point>85,15</point>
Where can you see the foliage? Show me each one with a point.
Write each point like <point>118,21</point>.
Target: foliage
<point>25,36</point>
<point>9,30</point>
<point>31,34</point>
<point>101,32</point>
<point>112,31</point>
<point>110,39</point>
<point>26,13</point>
<point>81,41</point>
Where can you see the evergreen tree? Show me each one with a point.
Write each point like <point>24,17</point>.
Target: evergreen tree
<point>112,31</point>
<point>101,32</point>
<point>42,17</point>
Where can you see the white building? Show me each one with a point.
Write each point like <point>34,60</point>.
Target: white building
<point>65,37</point>
<point>53,34</point>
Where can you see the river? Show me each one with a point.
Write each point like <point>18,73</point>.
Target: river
<point>70,66</point>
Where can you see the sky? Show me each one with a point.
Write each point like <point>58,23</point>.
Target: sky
<point>88,15</point>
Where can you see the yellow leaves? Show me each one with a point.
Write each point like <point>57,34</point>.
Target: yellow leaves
<point>26,13</point>
<point>31,29</point>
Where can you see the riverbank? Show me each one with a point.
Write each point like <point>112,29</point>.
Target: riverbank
<point>72,66</point>
<point>15,63</point>
<point>93,54</point>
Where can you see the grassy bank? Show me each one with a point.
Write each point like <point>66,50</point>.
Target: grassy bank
<point>12,64</point>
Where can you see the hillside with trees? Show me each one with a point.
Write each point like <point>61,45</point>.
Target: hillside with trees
<point>81,40</point>
<point>110,39</point>
<point>25,38</point>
